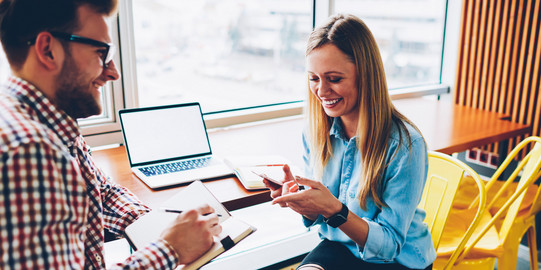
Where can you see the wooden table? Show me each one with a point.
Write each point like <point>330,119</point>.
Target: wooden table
<point>281,137</point>
<point>451,128</point>
<point>447,128</point>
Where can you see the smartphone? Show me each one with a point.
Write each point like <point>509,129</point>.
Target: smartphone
<point>263,175</point>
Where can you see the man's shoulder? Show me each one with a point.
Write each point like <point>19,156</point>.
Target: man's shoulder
<point>18,126</point>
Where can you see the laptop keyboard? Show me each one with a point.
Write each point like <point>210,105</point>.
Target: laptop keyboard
<point>175,166</point>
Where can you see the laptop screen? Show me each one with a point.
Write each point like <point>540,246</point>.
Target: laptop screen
<point>164,133</point>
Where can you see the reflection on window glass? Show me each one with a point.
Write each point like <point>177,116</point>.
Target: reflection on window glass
<point>225,54</point>
<point>409,35</point>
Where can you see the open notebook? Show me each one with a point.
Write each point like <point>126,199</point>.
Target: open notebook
<point>149,227</point>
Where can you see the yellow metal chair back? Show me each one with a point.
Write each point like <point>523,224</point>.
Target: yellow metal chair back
<point>444,176</point>
<point>513,226</point>
<point>531,169</point>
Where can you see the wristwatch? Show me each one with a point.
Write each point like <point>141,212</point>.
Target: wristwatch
<point>339,218</point>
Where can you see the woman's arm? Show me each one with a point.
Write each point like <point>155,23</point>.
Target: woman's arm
<point>382,236</point>
<point>404,181</point>
<point>318,200</point>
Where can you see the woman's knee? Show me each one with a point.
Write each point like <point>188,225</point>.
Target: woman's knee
<point>310,267</point>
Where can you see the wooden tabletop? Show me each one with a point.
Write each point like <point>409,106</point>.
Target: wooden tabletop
<point>451,128</point>
<point>447,128</point>
<point>281,137</point>
<point>228,190</point>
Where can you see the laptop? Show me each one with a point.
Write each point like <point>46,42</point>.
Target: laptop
<point>169,145</point>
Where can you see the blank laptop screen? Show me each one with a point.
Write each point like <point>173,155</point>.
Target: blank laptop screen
<point>164,133</point>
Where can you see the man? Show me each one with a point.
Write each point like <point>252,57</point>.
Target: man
<point>54,202</point>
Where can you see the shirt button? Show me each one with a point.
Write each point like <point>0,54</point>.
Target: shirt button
<point>98,257</point>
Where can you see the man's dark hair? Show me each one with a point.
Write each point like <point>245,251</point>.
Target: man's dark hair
<point>22,20</point>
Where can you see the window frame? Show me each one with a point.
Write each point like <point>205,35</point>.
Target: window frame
<point>124,92</point>
<point>105,130</point>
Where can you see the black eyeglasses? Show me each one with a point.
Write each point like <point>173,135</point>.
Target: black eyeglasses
<point>109,47</point>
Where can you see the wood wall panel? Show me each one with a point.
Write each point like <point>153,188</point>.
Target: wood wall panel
<point>499,60</point>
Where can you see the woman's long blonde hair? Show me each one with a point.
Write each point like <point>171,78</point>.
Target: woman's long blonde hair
<point>376,112</point>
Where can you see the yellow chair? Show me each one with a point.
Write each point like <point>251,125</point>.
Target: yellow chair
<point>502,228</point>
<point>444,176</point>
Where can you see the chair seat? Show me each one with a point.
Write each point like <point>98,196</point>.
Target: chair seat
<point>457,224</point>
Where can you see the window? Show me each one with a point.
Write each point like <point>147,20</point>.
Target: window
<point>226,54</point>
<point>235,54</point>
<point>104,129</point>
<point>409,35</point>
<point>4,67</point>
<point>238,53</point>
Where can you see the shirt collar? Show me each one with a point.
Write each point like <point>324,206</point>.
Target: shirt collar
<point>337,130</point>
<point>40,106</point>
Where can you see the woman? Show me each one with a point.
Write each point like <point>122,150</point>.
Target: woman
<point>369,161</point>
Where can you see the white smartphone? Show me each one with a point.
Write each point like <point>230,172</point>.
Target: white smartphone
<point>262,175</point>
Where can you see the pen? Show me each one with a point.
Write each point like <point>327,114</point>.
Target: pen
<point>180,211</point>
<point>270,165</point>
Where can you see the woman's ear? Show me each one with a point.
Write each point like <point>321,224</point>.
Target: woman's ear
<point>48,51</point>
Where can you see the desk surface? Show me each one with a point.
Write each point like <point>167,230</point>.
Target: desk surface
<point>451,128</point>
<point>447,128</point>
<point>271,137</point>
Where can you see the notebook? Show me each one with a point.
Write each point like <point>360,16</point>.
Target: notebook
<point>169,145</point>
<point>149,227</point>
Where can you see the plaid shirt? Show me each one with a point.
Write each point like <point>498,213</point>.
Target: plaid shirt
<point>54,201</point>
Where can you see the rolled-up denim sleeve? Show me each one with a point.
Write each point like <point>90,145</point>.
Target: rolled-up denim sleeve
<point>403,185</point>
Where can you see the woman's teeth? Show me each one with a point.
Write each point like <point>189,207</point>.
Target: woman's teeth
<point>330,102</point>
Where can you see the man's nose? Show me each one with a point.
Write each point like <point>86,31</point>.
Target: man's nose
<point>111,73</point>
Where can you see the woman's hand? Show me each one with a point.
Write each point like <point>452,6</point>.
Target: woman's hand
<point>277,190</point>
<point>317,200</point>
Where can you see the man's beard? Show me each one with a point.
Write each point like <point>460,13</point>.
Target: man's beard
<point>73,94</point>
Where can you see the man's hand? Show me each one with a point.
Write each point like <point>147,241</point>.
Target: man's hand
<point>191,234</point>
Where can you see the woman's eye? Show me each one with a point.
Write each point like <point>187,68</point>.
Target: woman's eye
<point>335,80</point>
<point>313,79</point>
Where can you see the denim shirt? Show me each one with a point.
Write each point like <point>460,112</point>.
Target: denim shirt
<point>396,233</point>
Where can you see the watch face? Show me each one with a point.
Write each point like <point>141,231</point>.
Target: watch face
<point>339,218</point>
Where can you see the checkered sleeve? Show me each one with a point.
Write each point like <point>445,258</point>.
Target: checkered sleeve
<point>42,208</point>
<point>120,206</point>
<point>158,255</point>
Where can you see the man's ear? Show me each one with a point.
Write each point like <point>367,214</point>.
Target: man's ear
<point>48,51</point>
